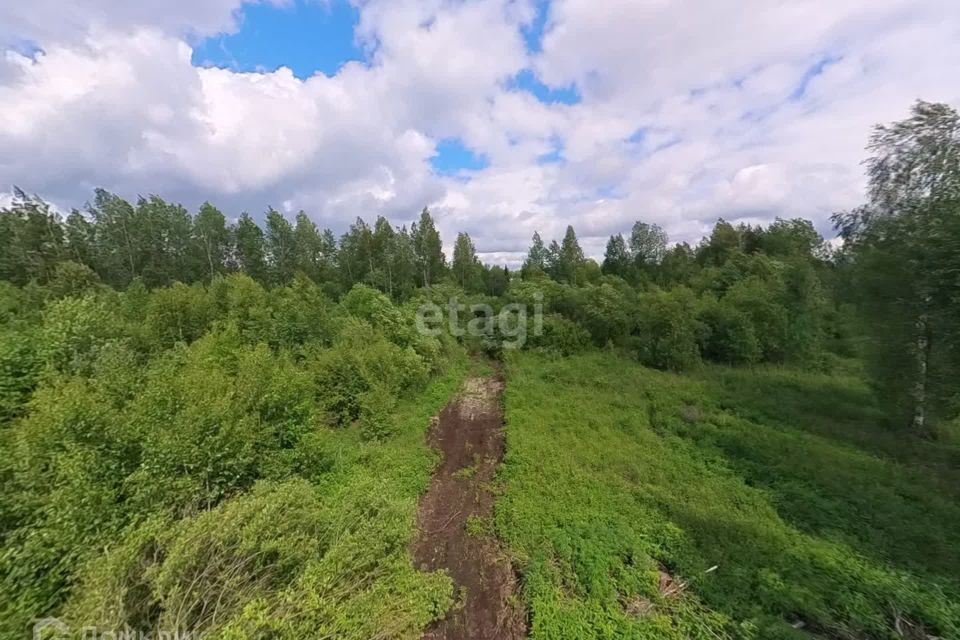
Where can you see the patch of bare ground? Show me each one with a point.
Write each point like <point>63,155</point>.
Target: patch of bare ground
<point>469,435</point>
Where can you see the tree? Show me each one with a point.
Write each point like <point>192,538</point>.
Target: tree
<point>405,268</point>
<point>678,266</point>
<point>616,259</point>
<point>648,244</point>
<point>81,239</point>
<point>382,249</point>
<point>465,266</point>
<point>496,280</point>
<point>249,248</point>
<point>723,242</point>
<point>667,330</point>
<point>428,248</point>
<point>31,240</point>
<point>570,257</point>
<point>307,247</point>
<point>536,257</point>
<point>905,244</point>
<point>161,233</point>
<point>791,238</point>
<point>279,245</point>
<point>118,253</point>
<point>356,253</point>
<point>552,260</point>
<point>211,240</point>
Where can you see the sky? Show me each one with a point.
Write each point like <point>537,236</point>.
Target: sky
<point>504,117</point>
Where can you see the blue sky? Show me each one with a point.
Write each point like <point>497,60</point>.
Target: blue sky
<point>311,37</point>
<point>502,116</point>
<point>307,37</point>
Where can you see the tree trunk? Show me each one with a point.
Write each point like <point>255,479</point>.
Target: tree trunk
<point>919,422</point>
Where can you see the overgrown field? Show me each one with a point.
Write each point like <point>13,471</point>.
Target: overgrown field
<point>819,522</point>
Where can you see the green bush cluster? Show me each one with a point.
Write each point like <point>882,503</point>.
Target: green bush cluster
<point>751,309</point>
<point>226,458</point>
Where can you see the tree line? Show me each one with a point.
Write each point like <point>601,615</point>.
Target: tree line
<point>160,243</point>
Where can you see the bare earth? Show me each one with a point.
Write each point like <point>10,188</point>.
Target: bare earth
<point>469,435</point>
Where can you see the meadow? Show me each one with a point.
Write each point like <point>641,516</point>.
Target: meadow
<point>774,496</point>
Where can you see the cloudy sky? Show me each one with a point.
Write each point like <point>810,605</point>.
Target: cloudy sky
<point>504,116</point>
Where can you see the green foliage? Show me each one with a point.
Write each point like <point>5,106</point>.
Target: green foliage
<point>668,331</point>
<point>31,240</point>
<point>368,304</point>
<point>428,249</point>
<point>904,246</point>
<point>72,331</point>
<point>167,443</point>
<point>359,363</point>
<point>729,336</point>
<point>560,336</point>
<point>749,471</point>
<point>222,446</point>
<point>648,244</point>
<point>19,369</point>
<point>465,267</point>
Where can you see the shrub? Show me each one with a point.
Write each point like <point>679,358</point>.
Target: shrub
<point>729,337</point>
<point>560,335</point>
<point>359,360</point>
<point>368,304</point>
<point>73,330</point>
<point>178,313</point>
<point>668,330</point>
<point>19,367</point>
<point>761,301</point>
<point>300,313</point>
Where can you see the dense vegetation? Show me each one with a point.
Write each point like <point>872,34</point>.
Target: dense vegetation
<point>219,427</point>
<point>776,477</point>
<point>182,461</point>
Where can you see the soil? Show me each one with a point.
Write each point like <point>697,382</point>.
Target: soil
<point>469,435</point>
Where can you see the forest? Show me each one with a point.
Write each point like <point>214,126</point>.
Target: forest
<point>215,425</point>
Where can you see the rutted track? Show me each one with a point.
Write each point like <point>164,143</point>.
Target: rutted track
<point>469,435</point>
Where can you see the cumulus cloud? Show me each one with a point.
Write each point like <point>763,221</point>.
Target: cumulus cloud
<point>688,111</point>
<point>44,21</point>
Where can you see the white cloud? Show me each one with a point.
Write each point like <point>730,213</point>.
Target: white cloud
<point>44,21</point>
<point>689,111</point>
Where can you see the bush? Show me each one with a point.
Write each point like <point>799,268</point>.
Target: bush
<point>300,314</point>
<point>560,336</point>
<point>178,313</point>
<point>729,337</point>
<point>760,301</point>
<point>360,360</point>
<point>668,331</point>
<point>605,312</point>
<point>368,304</point>
<point>19,367</point>
<point>73,330</point>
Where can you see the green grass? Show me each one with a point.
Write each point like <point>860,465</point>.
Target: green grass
<point>785,481</point>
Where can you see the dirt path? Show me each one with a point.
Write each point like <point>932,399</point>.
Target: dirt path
<point>454,519</point>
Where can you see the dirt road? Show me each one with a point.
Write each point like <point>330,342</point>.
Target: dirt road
<point>454,519</point>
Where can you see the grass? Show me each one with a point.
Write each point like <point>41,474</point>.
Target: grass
<point>815,516</point>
